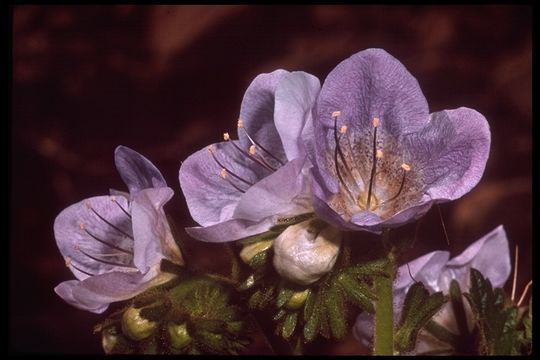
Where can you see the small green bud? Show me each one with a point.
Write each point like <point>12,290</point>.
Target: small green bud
<point>113,342</point>
<point>297,299</point>
<point>136,327</point>
<point>179,335</point>
<point>249,251</point>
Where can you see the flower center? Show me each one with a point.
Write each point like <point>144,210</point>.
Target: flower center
<point>371,172</point>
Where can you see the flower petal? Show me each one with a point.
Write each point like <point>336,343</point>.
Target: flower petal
<point>372,83</point>
<point>490,255</point>
<point>285,192</point>
<point>137,171</point>
<point>451,152</point>
<point>363,329</point>
<point>153,237</point>
<point>294,99</point>
<point>257,113</point>
<point>97,292</point>
<point>95,234</point>
<point>425,269</point>
<point>231,230</point>
<point>210,197</point>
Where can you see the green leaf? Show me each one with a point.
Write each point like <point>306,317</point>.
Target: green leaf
<point>336,312</point>
<point>497,323</point>
<point>283,296</point>
<point>289,324</point>
<point>418,308</point>
<point>358,293</point>
<point>260,259</point>
<point>312,314</point>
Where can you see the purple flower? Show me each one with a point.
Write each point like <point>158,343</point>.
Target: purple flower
<point>490,255</point>
<point>380,159</point>
<point>114,244</point>
<point>238,188</point>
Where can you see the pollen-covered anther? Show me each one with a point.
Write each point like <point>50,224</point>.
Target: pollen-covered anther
<point>88,204</point>
<point>406,167</point>
<point>252,150</point>
<point>379,154</point>
<point>211,149</point>
<point>226,136</point>
<point>223,173</point>
<point>335,114</point>
<point>67,261</point>
<point>113,198</point>
<point>82,226</point>
<point>240,123</point>
<point>376,122</point>
<point>343,129</point>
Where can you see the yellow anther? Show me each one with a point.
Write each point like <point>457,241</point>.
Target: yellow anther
<point>379,154</point>
<point>406,167</point>
<point>226,136</point>
<point>376,122</point>
<point>223,173</point>
<point>240,123</point>
<point>335,114</point>
<point>113,198</point>
<point>67,260</point>
<point>252,149</point>
<point>343,129</point>
<point>82,226</point>
<point>211,149</point>
<point>88,204</point>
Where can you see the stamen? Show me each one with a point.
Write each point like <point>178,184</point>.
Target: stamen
<point>374,166</point>
<point>514,280</point>
<point>249,154</point>
<point>70,264</point>
<point>406,168</point>
<point>83,227</point>
<point>379,154</point>
<point>337,151</point>
<point>253,142</point>
<point>224,175</point>
<point>524,293</point>
<point>343,129</point>
<point>260,160</point>
<point>211,151</point>
<point>67,260</point>
<point>104,261</point>
<point>113,199</point>
<point>89,206</point>
<point>443,226</point>
<point>226,136</point>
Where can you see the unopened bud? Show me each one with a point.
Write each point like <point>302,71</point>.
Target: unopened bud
<point>135,326</point>
<point>179,335</point>
<point>297,299</point>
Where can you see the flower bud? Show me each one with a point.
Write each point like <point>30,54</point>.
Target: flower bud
<point>249,251</point>
<point>297,300</point>
<point>179,335</point>
<point>304,252</point>
<point>136,327</point>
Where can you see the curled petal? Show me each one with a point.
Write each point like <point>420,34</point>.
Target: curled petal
<point>451,152</point>
<point>284,192</point>
<point>425,269</point>
<point>490,255</point>
<point>257,113</point>
<point>295,96</point>
<point>137,171</point>
<point>231,230</point>
<point>151,230</point>
<point>95,293</point>
<point>94,236</point>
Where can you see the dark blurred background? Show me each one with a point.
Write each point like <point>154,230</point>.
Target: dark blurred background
<point>168,80</point>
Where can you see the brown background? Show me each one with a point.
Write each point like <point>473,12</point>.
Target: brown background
<point>168,80</point>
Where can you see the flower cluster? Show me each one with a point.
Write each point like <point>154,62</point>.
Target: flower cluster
<point>309,164</point>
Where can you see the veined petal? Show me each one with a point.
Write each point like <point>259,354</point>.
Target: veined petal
<point>211,193</point>
<point>285,192</point>
<point>137,171</point>
<point>231,230</point>
<point>425,269</point>
<point>153,237</point>
<point>257,113</point>
<point>96,293</point>
<point>94,236</point>
<point>372,83</point>
<point>490,255</point>
<point>451,152</point>
<point>295,96</point>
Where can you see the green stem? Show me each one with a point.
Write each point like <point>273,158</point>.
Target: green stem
<point>384,310</point>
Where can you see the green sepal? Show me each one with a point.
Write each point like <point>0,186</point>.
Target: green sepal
<point>261,259</point>
<point>283,296</point>
<point>289,325</point>
<point>418,308</point>
<point>336,312</point>
<point>156,312</point>
<point>357,292</point>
